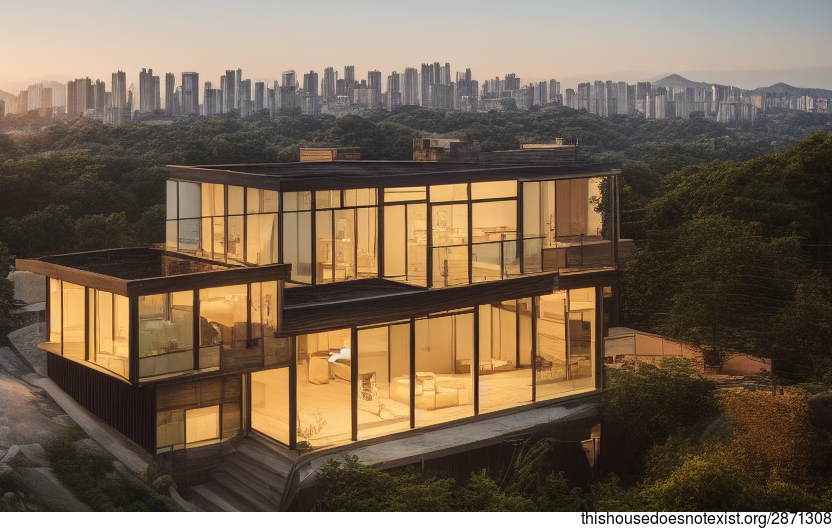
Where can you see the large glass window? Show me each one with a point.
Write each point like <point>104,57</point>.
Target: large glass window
<point>496,189</point>
<point>202,426</point>
<point>345,235</point>
<point>55,304</point>
<point>171,209</point>
<point>223,322</point>
<point>405,243</point>
<point>297,244</point>
<point>166,333</point>
<point>212,241</point>
<point>325,248</point>
<point>234,241</point>
<point>565,360</point>
<point>190,200</point>
<point>170,430</point>
<point>110,344</point>
<point>189,213</point>
<point>323,387</point>
<point>505,355</point>
<point>450,244</point>
<point>74,322</point>
<point>570,213</point>
<point>494,252</point>
<point>191,427</point>
<point>404,194</point>
<point>367,239</point>
<point>261,233</point>
<point>236,200</point>
<point>270,403</point>
<point>276,350</point>
<point>383,385</point>
<point>189,231</point>
<point>444,374</point>
<point>236,223</point>
<point>456,192</point>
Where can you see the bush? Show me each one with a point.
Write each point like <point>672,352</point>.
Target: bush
<point>94,480</point>
<point>653,403</point>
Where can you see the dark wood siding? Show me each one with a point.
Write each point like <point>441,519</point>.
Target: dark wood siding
<point>225,391</point>
<point>128,409</point>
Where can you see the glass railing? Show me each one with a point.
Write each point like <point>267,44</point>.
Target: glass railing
<point>490,261</point>
<point>533,254</point>
<point>577,252</point>
<point>450,265</point>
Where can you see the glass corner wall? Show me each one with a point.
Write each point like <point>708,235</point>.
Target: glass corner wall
<point>89,325</point>
<point>366,382</point>
<point>571,220</point>
<point>226,223</point>
<point>565,361</point>
<point>166,336</point>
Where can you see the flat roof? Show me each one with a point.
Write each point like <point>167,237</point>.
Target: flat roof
<point>147,271</point>
<point>374,301</point>
<point>131,263</point>
<point>362,174</point>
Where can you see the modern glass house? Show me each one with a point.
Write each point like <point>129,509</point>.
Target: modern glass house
<point>326,303</point>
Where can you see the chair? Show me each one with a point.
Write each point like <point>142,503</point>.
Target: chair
<point>541,364</point>
<point>367,382</point>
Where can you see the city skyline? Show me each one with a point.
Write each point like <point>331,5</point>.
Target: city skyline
<point>636,42</point>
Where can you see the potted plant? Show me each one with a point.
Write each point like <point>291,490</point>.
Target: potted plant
<point>308,427</point>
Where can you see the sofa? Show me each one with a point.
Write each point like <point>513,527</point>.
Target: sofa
<point>431,391</point>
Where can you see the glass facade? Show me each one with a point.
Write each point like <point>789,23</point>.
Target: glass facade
<point>571,220</point>
<point>109,346</point>
<point>444,388</point>
<point>437,236</point>
<point>505,373</point>
<point>166,333</point>
<point>383,385</point>
<point>565,359</point>
<point>89,325</point>
<point>323,387</point>
<point>366,382</point>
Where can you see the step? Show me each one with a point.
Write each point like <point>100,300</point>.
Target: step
<point>241,464</point>
<point>242,492</point>
<point>273,460</point>
<point>212,497</point>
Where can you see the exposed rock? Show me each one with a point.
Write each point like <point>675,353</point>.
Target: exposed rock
<point>12,452</point>
<point>820,408</point>
<point>35,453</point>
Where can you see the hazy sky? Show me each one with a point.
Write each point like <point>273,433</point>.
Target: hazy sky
<point>635,40</point>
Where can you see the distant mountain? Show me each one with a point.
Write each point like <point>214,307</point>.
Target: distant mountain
<point>783,88</point>
<point>677,81</point>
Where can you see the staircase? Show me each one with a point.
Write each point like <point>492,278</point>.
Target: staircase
<point>250,480</point>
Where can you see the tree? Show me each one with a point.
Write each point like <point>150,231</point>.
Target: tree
<point>652,403</point>
<point>7,318</point>
<point>101,232</point>
<point>801,333</point>
<point>724,282</point>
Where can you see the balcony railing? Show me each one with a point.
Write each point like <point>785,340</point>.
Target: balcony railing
<point>578,252</point>
<point>490,261</point>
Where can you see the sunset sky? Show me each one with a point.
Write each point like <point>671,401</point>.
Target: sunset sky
<point>749,44</point>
